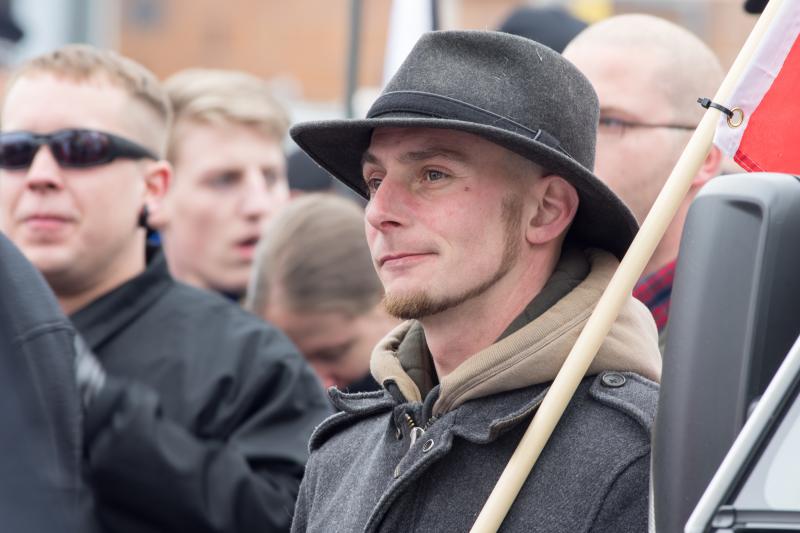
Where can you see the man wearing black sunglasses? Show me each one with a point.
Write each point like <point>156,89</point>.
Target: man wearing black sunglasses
<point>648,74</point>
<point>196,413</point>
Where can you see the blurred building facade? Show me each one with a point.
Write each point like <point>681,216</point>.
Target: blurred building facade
<point>302,46</point>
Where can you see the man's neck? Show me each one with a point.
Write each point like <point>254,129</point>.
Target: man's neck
<point>73,296</point>
<point>453,336</point>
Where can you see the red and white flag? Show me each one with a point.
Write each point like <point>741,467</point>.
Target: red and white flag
<point>764,133</point>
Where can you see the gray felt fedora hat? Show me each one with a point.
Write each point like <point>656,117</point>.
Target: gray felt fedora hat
<point>509,90</point>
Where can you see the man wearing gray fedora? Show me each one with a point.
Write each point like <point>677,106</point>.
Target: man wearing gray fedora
<point>494,240</point>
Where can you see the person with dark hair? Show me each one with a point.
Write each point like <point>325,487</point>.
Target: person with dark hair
<point>305,176</point>
<point>493,240</point>
<point>550,26</point>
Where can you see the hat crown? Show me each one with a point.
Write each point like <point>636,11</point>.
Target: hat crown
<point>509,76</point>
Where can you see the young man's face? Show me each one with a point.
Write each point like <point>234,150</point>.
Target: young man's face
<point>444,220</point>
<point>229,180</point>
<point>78,226</point>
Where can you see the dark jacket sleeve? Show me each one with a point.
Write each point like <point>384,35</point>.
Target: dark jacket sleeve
<point>625,508</point>
<point>41,486</point>
<point>156,474</point>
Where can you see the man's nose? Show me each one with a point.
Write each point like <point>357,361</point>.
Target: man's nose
<point>388,205</point>
<point>261,197</point>
<point>44,171</point>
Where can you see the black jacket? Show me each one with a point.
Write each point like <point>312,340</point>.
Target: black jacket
<point>41,488</point>
<point>203,423</point>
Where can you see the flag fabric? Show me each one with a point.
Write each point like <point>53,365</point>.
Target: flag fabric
<point>764,133</point>
<point>408,20</point>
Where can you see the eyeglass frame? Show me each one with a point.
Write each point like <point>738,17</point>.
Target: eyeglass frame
<point>118,147</point>
<point>641,125</point>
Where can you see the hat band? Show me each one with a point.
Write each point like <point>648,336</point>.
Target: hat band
<point>444,107</point>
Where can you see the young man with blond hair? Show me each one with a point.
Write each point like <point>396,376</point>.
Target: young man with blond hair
<point>230,176</point>
<point>196,413</point>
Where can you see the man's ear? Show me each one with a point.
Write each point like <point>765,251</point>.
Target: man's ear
<point>556,202</point>
<point>158,175</point>
<point>709,169</point>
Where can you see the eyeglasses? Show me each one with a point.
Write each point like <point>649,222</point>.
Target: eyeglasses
<point>72,148</point>
<point>618,126</point>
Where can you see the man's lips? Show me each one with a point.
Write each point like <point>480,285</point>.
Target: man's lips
<point>246,247</point>
<point>399,259</point>
<point>46,220</point>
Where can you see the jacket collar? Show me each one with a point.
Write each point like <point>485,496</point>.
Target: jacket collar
<point>105,316</point>
<point>530,355</point>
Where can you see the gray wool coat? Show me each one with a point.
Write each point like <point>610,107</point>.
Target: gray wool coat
<point>591,477</point>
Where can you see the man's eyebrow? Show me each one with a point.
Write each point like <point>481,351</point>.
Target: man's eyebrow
<point>613,110</point>
<point>369,158</point>
<point>430,153</point>
<point>420,155</point>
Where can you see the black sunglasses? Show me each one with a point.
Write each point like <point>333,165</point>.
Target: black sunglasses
<point>72,148</point>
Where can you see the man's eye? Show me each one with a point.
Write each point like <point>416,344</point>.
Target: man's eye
<point>225,179</point>
<point>612,124</point>
<point>373,184</point>
<point>270,176</point>
<point>434,175</point>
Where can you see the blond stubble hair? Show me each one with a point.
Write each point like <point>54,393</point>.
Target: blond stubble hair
<point>82,63</point>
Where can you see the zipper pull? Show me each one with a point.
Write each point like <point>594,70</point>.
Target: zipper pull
<point>416,433</point>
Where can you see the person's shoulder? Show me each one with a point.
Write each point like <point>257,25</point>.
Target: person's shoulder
<point>625,396</point>
<point>358,412</point>
<point>201,305</point>
<point>217,325</point>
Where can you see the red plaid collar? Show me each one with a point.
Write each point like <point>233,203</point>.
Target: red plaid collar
<point>654,290</point>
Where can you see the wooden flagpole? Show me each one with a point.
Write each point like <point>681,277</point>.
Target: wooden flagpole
<point>618,291</point>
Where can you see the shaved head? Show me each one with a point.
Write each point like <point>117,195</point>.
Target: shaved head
<point>681,66</point>
<point>648,74</point>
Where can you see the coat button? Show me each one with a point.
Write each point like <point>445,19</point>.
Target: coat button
<point>613,380</point>
<point>398,433</point>
<point>397,471</point>
<point>427,446</point>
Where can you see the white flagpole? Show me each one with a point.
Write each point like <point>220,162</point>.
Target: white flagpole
<point>408,20</point>
<point>618,291</point>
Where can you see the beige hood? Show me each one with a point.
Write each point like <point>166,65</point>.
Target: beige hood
<point>533,354</point>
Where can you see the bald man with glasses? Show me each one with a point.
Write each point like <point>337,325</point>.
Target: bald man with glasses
<point>196,413</point>
<point>648,74</point>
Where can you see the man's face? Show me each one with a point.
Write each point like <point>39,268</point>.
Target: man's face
<point>336,345</point>
<point>633,161</point>
<point>78,226</point>
<point>444,220</point>
<point>229,180</point>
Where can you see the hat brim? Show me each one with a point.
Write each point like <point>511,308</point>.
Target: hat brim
<point>602,219</point>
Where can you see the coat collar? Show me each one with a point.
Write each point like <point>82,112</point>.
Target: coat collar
<point>477,421</point>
